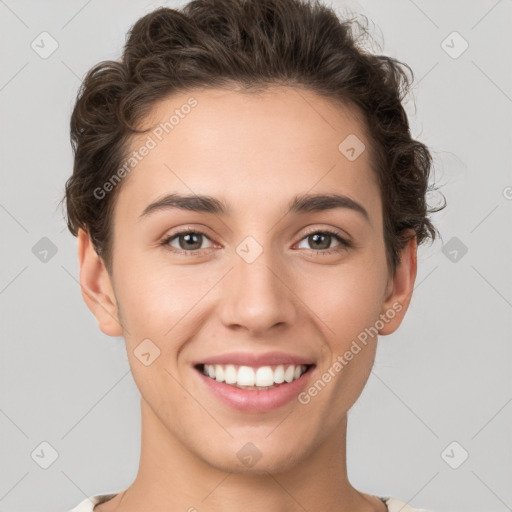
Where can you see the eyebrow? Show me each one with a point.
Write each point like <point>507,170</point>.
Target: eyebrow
<point>303,203</point>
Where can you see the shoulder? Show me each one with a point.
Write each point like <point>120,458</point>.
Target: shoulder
<point>396,505</point>
<point>88,504</point>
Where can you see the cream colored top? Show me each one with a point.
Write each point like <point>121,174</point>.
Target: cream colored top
<point>393,504</point>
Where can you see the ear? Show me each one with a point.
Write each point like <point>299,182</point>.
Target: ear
<point>399,289</point>
<point>96,287</point>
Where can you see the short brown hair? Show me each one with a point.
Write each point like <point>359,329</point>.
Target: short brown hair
<point>247,44</point>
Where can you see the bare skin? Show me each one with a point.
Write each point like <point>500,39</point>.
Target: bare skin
<point>255,152</point>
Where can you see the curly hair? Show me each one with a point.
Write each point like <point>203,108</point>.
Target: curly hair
<point>247,44</point>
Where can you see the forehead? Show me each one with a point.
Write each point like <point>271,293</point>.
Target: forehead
<point>252,146</point>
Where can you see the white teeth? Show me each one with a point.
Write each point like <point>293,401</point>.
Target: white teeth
<point>288,374</point>
<point>230,374</point>
<point>265,376</point>
<point>219,373</point>
<point>247,377</point>
<point>279,374</point>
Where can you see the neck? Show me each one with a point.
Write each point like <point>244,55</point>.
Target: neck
<point>171,477</point>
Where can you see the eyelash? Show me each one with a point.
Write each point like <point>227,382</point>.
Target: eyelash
<point>343,245</point>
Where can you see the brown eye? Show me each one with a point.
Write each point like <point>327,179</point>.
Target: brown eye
<point>188,241</point>
<point>191,241</point>
<point>321,241</point>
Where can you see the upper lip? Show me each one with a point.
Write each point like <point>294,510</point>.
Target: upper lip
<point>256,360</point>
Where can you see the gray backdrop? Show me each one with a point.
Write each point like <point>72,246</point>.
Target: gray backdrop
<point>432,426</point>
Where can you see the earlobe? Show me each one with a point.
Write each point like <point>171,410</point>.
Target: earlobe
<point>97,290</point>
<point>401,288</point>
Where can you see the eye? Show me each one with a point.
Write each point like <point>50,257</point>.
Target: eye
<point>321,240</point>
<point>188,241</point>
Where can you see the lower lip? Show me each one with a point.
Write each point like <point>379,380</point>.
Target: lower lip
<point>248,400</point>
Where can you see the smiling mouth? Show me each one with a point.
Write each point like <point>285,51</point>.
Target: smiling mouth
<point>254,378</point>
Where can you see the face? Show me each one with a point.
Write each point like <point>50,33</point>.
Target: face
<point>255,277</point>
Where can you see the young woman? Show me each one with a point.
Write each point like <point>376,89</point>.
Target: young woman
<point>248,203</point>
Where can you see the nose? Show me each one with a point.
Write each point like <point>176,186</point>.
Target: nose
<point>258,295</point>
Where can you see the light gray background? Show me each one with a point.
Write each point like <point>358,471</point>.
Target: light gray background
<point>443,377</point>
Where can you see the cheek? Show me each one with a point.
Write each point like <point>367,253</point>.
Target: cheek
<point>164,307</point>
<point>347,300</point>
<point>153,301</point>
<point>156,316</point>
<point>157,301</point>
<point>344,299</point>
<point>348,306</point>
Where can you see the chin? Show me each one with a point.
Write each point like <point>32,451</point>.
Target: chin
<point>255,458</point>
